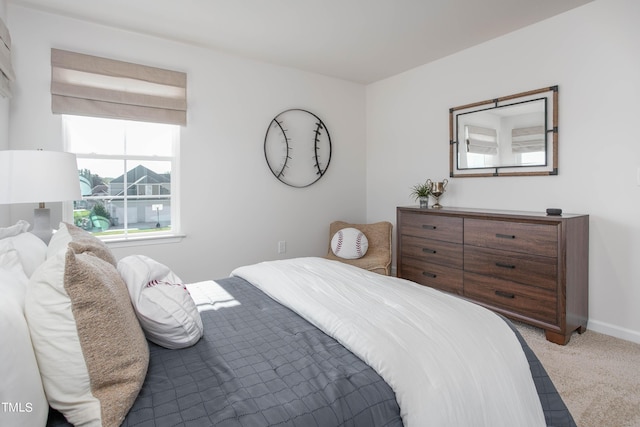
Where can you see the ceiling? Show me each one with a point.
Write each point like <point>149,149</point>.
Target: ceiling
<point>357,40</point>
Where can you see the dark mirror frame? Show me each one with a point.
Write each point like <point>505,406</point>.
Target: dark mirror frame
<point>551,123</point>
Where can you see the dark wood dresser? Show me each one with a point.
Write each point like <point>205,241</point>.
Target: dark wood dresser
<point>528,266</point>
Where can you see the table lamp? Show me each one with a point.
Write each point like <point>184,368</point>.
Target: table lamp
<point>36,176</point>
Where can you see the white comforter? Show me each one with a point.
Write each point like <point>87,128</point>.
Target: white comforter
<point>450,362</point>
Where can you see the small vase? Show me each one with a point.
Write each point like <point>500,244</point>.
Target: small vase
<point>424,202</point>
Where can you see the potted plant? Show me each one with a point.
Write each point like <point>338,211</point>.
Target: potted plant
<point>421,193</point>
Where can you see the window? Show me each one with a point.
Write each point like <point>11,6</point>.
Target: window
<point>481,145</point>
<point>529,145</point>
<point>128,176</point>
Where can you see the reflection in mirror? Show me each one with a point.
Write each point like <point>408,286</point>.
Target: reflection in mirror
<point>506,136</point>
<point>511,135</point>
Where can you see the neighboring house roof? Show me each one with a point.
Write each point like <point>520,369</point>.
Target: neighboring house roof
<point>100,190</point>
<point>144,175</point>
<point>137,176</point>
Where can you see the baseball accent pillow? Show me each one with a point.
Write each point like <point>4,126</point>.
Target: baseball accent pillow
<point>164,307</point>
<point>349,243</point>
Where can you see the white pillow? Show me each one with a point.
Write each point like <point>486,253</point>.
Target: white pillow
<point>349,243</point>
<point>13,280</point>
<point>21,382</point>
<point>59,241</point>
<point>19,227</point>
<point>166,311</point>
<point>30,248</point>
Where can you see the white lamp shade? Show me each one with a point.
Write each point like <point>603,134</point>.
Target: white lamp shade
<point>35,176</point>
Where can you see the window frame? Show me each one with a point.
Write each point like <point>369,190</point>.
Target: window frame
<point>132,239</point>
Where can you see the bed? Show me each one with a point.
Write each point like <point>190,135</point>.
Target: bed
<point>263,359</point>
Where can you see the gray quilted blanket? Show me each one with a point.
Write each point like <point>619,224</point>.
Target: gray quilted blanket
<point>259,364</point>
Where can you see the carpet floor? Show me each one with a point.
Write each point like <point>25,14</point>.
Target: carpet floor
<point>598,376</point>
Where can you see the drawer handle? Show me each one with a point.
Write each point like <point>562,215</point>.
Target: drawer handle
<point>500,264</point>
<point>428,251</point>
<point>428,227</point>
<point>431,275</point>
<point>505,236</point>
<point>505,294</point>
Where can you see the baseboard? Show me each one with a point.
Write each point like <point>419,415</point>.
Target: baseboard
<point>614,331</point>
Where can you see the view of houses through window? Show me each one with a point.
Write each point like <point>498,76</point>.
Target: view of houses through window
<point>125,170</point>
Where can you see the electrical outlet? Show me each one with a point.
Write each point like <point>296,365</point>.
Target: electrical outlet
<point>282,246</point>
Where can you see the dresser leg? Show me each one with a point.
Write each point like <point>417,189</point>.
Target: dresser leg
<point>557,338</point>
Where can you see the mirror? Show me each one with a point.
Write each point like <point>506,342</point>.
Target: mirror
<point>508,136</point>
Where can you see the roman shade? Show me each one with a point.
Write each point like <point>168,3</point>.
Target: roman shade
<point>89,85</point>
<point>528,139</point>
<point>481,140</point>
<point>6,70</point>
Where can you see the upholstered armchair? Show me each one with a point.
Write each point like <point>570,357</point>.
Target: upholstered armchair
<point>378,255</point>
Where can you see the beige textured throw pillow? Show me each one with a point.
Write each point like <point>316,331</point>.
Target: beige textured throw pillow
<point>91,350</point>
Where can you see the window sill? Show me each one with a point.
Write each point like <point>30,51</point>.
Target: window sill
<point>143,241</point>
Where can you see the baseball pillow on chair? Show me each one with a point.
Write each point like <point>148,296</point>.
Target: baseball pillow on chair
<point>349,243</point>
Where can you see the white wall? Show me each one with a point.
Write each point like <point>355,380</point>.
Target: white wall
<point>592,54</point>
<point>4,123</point>
<point>234,211</point>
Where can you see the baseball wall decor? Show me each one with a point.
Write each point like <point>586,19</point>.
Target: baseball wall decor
<point>349,243</point>
<point>297,147</point>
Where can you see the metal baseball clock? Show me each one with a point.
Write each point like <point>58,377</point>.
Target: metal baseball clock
<point>297,147</point>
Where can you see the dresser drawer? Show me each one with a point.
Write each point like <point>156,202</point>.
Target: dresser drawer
<point>536,239</point>
<point>432,251</point>
<point>536,303</point>
<point>432,227</point>
<point>432,275</point>
<point>523,268</point>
